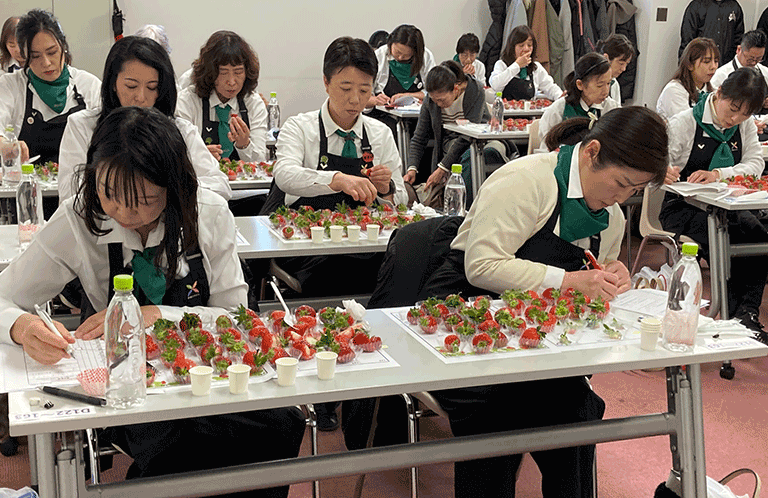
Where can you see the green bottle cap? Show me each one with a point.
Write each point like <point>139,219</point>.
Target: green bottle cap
<point>9,128</point>
<point>27,169</point>
<point>456,168</point>
<point>273,95</point>
<point>690,248</point>
<point>123,282</point>
<point>498,94</point>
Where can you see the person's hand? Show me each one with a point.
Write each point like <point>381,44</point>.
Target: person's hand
<point>394,98</point>
<point>410,176</point>
<point>7,151</point>
<point>380,176</point>
<point>703,176</point>
<point>673,175</point>
<point>524,60</point>
<point>24,151</point>
<point>593,283</point>
<point>361,189</point>
<point>382,99</point>
<point>469,69</point>
<point>39,342</point>
<point>93,326</point>
<point>437,178</point>
<point>215,150</point>
<point>760,126</point>
<point>239,133</point>
<point>617,268</point>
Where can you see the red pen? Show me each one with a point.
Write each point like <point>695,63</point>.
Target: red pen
<point>592,260</point>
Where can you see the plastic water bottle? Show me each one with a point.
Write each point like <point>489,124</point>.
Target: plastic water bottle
<point>11,152</point>
<point>455,195</point>
<point>126,347</point>
<point>497,116</point>
<point>681,319</point>
<point>273,113</point>
<point>29,206</point>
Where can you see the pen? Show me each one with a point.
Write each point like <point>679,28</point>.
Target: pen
<point>592,260</point>
<point>83,398</point>
<point>49,323</point>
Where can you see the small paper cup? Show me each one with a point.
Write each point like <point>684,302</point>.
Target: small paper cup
<point>201,380</point>
<point>336,232</point>
<point>238,378</point>
<point>326,364</point>
<point>286,371</point>
<point>353,233</point>
<point>527,105</point>
<point>317,234</point>
<point>649,333</point>
<point>373,232</point>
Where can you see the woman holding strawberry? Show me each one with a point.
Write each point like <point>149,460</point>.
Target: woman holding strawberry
<point>139,209</point>
<point>529,228</point>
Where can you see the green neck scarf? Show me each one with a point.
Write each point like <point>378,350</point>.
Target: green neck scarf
<point>523,74</point>
<point>402,71</point>
<point>456,58</point>
<point>52,93</point>
<point>576,111</point>
<point>723,157</point>
<point>222,113</point>
<point>577,221</point>
<point>147,275</point>
<point>349,150</point>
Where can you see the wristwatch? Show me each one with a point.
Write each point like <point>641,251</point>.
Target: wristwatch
<point>390,191</point>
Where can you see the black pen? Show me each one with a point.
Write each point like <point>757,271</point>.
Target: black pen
<point>83,398</point>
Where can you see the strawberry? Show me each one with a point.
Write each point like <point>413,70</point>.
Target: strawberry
<point>246,318</point>
<point>488,326</point>
<point>268,341</point>
<point>575,310</point>
<point>210,351</point>
<point>452,321</point>
<point>360,339</point>
<point>190,321</point>
<point>306,321</point>
<point>482,303</point>
<point>345,335</point>
<point>373,344</point>
<point>443,309</point>
<point>200,338</point>
<point>428,324</point>
<point>516,325</point>
<point>504,316</point>
<point>307,352</point>
<point>231,175</point>
<point>538,302</point>
<point>547,322</point>
<point>482,343</point>
<point>600,307</point>
<point>500,339</point>
<point>181,369</point>
<point>169,355</point>
<point>413,315</point>
<point>229,336</point>
<point>153,350</point>
<point>161,328</point>
<point>151,373</point>
<point>277,353</point>
<point>256,333</point>
<point>220,364</point>
<point>551,295</point>
<point>288,232</point>
<point>256,360</point>
<point>531,338</point>
<point>530,295</point>
<point>305,310</point>
<point>346,354</point>
<point>452,343</point>
<point>223,322</point>
<point>292,335</point>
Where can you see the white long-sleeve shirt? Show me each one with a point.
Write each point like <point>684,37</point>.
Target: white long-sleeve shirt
<point>726,69</point>
<point>65,249</point>
<point>77,139</point>
<point>190,107</point>
<point>296,171</point>
<point>383,56</point>
<point>553,115</point>
<point>674,99</point>
<point>542,81</point>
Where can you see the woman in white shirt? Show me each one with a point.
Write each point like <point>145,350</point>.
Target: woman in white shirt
<point>37,100</point>
<point>10,54</point>
<point>619,51</point>
<point>698,64</point>
<point>714,140</point>
<point>222,101</point>
<point>137,72</point>
<point>587,90</point>
<point>467,49</point>
<point>140,208</point>
<point>517,74</point>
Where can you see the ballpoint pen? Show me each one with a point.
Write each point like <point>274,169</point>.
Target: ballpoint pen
<point>49,323</point>
<point>83,398</point>
<point>592,260</point>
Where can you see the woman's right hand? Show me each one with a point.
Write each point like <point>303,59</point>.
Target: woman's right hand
<point>593,283</point>
<point>410,177</point>
<point>361,189</point>
<point>524,60</point>
<point>39,342</point>
<point>215,150</point>
<point>382,99</point>
<point>673,175</point>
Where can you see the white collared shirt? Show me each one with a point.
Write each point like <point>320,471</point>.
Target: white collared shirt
<point>479,71</point>
<point>725,70</point>
<point>615,92</point>
<point>13,96</point>
<point>297,171</point>
<point>65,249</point>
<point>383,56</point>
<point>682,130</point>
<point>190,107</point>
<point>542,81</point>
<point>553,115</point>
<point>674,99</point>
<point>77,139</point>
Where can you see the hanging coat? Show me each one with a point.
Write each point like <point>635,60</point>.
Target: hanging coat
<point>541,32</point>
<point>491,50</point>
<point>621,20</point>
<point>556,45</point>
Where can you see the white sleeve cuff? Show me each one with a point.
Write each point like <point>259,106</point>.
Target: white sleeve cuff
<point>553,278</point>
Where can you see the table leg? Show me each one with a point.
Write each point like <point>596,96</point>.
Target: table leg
<point>697,407</point>
<point>714,265</point>
<point>32,448</point>
<point>403,141</point>
<point>477,162</point>
<point>46,464</point>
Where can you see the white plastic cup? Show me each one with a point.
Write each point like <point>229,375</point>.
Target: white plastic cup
<point>373,232</point>
<point>336,232</point>
<point>286,371</point>
<point>353,233</point>
<point>317,234</point>
<point>650,328</point>
<point>326,364</point>
<point>527,105</point>
<point>201,380</point>
<point>238,378</point>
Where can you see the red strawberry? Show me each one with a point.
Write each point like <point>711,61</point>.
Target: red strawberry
<point>256,333</point>
<point>153,350</point>
<point>232,175</point>
<point>482,343</point>
<point>531,338</point>
<point>452,343</point>
<point>267,342</point>
<point>255,360</point>
<point>220,364</point>
<point>413,315</point>
<point>210,351</point>
<point>190,321</point>
<point>373,344</point>
<point>428,324</point>
<point>288,232</point>
<point>360,339</point>
<point>500,340</point>
<point>546,322</point>
<point>279,352</point>
<point>346,354</point>
<point>443,309</point>
<point>305,310</point>
<point>307,352</point>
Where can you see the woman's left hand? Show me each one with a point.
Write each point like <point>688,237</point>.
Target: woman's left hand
<point>380,176</point>
<point>437,178</point>
<point>703,176</point>
<point>93,326</point>
<point>617,268</point>
<point>239,133</point>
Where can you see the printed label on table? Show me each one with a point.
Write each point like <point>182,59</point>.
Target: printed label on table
<point>63,413</point>
<point>726,344</point>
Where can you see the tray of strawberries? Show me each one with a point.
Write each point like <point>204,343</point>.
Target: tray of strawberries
<point>48,172</point>
<point>458,329</point>
<point>750,183</point>
<point>295,224</point>
<point>238,170</point>
<point>526,105</point>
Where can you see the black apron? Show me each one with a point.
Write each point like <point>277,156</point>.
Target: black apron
<point>393,86</point>
<point>44,137</point>
<point>210,131</point>
<point>520,89</point>
<point>328,162</point>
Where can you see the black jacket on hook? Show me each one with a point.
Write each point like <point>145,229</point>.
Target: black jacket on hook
<point>721,20</point>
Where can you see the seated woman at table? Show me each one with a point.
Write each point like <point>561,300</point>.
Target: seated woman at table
<point>38,99</point>
<point>222,101</point>
<point>137,72</point>
<point>587,90</point>
<point>714,140</point>
<point>691,80</point>
<point>619,51</point>
<point>467,49</point>
<point>138,193</point>
<point>517,74</point>
<point>10,52</point>
<point>528,229</point>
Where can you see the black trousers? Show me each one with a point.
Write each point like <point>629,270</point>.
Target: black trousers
<point>566,472</point>
<point>748,274</point>
<point>334,275</point>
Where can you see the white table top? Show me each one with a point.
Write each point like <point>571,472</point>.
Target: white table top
<point>419,370</point>
<point>711,199</point>
<point>49,189</point>
<point>480,132</point>
<point>401,112</point>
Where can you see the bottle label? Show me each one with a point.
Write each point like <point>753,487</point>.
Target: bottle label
<point>27,230</point>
